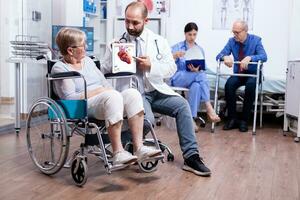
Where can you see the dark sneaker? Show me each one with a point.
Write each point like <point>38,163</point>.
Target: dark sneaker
<point>196,165</point>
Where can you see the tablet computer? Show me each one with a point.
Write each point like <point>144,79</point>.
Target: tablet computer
<point>194,56</point>
<point>196,63</point>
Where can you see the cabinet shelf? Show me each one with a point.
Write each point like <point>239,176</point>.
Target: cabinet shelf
<point>99,22</point>
<point>91,14</point>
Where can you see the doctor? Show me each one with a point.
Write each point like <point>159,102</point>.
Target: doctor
<point>155,63</point>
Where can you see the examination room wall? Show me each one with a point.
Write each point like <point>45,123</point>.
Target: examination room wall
<point>10,25</point>
<point>16,19</point>
<point>294,41</point>
<point>271,22</point>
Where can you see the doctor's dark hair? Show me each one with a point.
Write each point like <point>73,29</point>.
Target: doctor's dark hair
<point>138,4</point>
<point>190,26</point>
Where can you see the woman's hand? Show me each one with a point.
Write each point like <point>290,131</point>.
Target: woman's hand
<point>178,54</point>
<point>193,69</point>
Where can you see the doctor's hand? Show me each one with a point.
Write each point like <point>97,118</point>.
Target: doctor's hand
<point>143,63</point>
<point>193,68</point>
<point>245,62</point>
<point>178,54</point>
<point>228,61</point>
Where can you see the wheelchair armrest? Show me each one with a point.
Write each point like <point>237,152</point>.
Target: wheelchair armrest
<point>68,75</point>
<point>65,74</point>
<point>119,75</point>
<point>133,79</point>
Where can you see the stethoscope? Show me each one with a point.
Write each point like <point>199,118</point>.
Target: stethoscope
<point>159,56</point>
<point>123,39</point>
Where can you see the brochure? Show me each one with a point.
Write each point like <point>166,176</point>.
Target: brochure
<point>122,57</point>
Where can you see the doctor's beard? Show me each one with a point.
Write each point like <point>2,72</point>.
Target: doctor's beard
<point>136,32</point>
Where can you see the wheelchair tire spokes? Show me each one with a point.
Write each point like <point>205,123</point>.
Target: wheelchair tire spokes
<point>148,166</point>
<point>47,138</point>
<point>79,171</point>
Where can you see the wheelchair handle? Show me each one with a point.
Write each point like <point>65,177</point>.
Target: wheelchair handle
<point>40,57</point>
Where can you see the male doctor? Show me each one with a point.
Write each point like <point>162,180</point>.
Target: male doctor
<point>155,63</point>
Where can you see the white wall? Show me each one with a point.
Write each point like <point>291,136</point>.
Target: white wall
<point>67,12</point>
<point>10,25</point>
<point>34,84</point>
<point>271,19</point>
<point>294,41</point>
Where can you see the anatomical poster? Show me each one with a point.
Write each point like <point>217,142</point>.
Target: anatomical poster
<point>123,57</point>
<point>225,12</point>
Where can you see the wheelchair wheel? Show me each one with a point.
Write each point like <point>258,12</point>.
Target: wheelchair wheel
<point>148,166</point>
<point>79,171</point>
<point>47,138</point>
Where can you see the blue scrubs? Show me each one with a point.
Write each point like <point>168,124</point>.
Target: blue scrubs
<point>196,82</point>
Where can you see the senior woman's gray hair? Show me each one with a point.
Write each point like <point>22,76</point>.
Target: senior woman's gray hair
<point>69,37</point>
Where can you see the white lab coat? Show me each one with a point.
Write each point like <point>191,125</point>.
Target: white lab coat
<point>160,69</point>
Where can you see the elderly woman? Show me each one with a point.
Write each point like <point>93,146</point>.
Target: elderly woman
<point>194,79</point>
<point>104,103</point>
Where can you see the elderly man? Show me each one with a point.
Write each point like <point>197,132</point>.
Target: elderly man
<point>155,63</point>
<point>245,48</point>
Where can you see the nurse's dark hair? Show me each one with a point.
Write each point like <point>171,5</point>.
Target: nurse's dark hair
<point>190,26</point>
<point>140,5</point>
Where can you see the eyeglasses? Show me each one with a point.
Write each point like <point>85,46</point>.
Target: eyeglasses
<point>82,46</point>
<point>237,32</point>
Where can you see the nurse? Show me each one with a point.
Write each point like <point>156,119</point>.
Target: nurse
<point>192,77</point>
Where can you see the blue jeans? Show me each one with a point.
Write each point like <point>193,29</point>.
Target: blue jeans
<point>178,107</point>
<point>232,84</point>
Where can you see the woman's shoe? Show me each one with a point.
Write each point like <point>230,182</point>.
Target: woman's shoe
<point>146,152</point>
<point>123,157</point>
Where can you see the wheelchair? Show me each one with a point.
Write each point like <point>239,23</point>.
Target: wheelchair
<point>52,122</point>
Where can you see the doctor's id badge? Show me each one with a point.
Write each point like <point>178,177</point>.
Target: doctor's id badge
<point>122,57</point>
